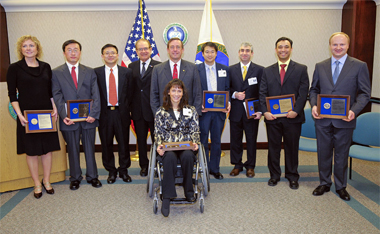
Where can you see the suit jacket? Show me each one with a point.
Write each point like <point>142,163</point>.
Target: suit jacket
<point>189,75</point>
<point>237,84</point>
<point>63,89</point>
<point>125,87</point>
<point>353,80</point>
<point>168,129</point>
<point>141,95</point>
<point>296,81</point>
<point>223,82</point>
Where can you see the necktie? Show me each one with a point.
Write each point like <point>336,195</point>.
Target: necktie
<point>244,72</point>
<point>212,79</point>
<point>143,70</point>
<point>282,73</point>
<point>336,72</point>
<point>175,72</point>
<point>112,95</point>
<point>74,76</point>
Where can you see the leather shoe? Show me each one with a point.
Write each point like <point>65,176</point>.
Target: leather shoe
<point>235,171</point>
<point>217,175</point>
<point>250,173</point>
<point>273,182</point>
<point>38,191</point>
<point>47,187</point>
<point>126,178</point>
<point>111,179</point>
<point>293,184</point>
<point>144,172</point>
<point>95,183</point>
<point>320,190</point>
<point>191,199</point>
<point>74,185</point>
<point>343,194</point>
<point>165,207</point>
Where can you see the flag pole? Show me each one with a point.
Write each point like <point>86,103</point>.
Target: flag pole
<point>142,20</point>
<point>211,20</point>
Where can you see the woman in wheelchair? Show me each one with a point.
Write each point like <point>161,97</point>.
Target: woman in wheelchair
<point>176,121</point>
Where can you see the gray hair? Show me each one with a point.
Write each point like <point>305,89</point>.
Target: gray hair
<point>245,44</point>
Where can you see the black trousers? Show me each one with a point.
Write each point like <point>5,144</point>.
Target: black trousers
<point>142,128</point>
<point>169,162</point>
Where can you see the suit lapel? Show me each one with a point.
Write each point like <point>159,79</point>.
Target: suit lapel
<point>345,69</point>
<point>203,76</point>
<point>276,73</point>
<point>148,70</point>
<point>67,75</point>
<point>120,84</point>
<point>288,72</point>
<point>81,75</point>
<point>328,71</point>
<point>167,71</point>
<point>220,85</point>
<point>102,82</point>
<point>182,73</point>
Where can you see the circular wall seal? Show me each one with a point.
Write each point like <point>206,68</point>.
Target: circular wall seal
<point>175,30</point>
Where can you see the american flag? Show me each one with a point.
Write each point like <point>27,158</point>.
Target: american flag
<point>141,29</point>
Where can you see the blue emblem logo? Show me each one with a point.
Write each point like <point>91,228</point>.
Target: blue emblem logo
<point>175,30</point>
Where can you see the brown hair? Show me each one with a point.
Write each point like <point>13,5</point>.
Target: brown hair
<point>339,33</point>
<point>21,40</point>
<point>167,104</point>
<point>174,39</point>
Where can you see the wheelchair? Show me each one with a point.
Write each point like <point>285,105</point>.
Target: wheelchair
<point>200,172</point>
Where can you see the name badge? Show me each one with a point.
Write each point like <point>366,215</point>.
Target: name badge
<point>252,81</point>
<point>222,73</point>
<point>187,112</point>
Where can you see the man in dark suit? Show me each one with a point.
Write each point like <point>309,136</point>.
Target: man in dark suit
<point>214,77</point>
<point>245,78</point>
<point>80,84</point>
<point>142,115</point>
<point>115,86</point>
<point>282,78</point>
<point>338,75</point>
<point>175,68</point>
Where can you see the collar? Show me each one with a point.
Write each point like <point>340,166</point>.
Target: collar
<point>342,60</point>
<point>147,62</point>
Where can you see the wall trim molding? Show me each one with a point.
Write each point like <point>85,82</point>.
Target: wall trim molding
<point>171,5</point>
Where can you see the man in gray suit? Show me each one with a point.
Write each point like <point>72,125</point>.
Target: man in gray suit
<point>338,75</point>
<point>73,81</point>
<point>175,68</point>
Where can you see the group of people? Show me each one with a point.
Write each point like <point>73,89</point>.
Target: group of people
<point>166,99</point>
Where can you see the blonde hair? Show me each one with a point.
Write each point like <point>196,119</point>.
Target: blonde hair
<point>22,39</point>
<point>339,33</point>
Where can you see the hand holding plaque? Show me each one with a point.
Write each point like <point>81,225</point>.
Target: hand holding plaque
<point>79,110</point>
<point>279,106</point>
<point>39,121</point>
<point>215,100</point>
<point>333,106</point>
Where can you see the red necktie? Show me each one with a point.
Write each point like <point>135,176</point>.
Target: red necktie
<point>282,73</point>
<point>74,76</point>
<point>175,72</point>
<point>112,95</point>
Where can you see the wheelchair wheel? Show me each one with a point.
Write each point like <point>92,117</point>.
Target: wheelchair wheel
<point>202,205</point>
<point>152,164</point>
<point>205,174</point>
<point>155,206</point>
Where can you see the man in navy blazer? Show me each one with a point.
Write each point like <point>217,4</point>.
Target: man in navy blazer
<point>338,75</point>
<point>245,78</point>
<point>114,118</point>
<point>142,115</point>
<point>282,78</point>
<point>175,68</point>
<point>80,84</point>
<point>214,77</point>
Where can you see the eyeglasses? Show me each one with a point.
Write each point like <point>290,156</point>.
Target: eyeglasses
<point>72,51</point>
<point>143,49</point>
<point>110,53</point>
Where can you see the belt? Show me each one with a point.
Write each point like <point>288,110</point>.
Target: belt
<point>112,107</point>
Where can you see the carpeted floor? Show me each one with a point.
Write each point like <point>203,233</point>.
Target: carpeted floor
<point>234,205</point>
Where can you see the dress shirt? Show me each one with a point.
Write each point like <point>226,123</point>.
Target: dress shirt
<point>116,74</point>
<point>342,60</point>
<point>172,66</point>
<point>76,68</point>
<point>209,77</point>
<point>242,71</point>
<point>280,63</point>
<point>147,62</point>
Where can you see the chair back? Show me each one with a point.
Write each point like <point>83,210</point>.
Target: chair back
<point>367,131</point>
<point>308,128</point>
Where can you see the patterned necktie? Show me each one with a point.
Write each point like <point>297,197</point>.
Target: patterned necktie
<point>212,79</point>
<point>74,76</point>
<point>244,72</point>
<point>175,72</point>
<point>282,73</point>
<point>143,70</point>
<point>336,72</point>
<point>112,96</point>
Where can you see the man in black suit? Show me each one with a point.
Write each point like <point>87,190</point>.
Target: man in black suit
<point>142,115</point>
<point>74,81</point>
<point>338,75</point>
<point>282,78</point>
<point>214,77</point>
<point>245,78</point>
<point>115,85</point>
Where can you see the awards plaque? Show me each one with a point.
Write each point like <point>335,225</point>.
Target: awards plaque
<point>39,121</point>
<point>333,106</point>
<point>215,100</point>
<point>251,106</point>
<point>172,146</point>
<point>79,110</point>
<point>279,106</point>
